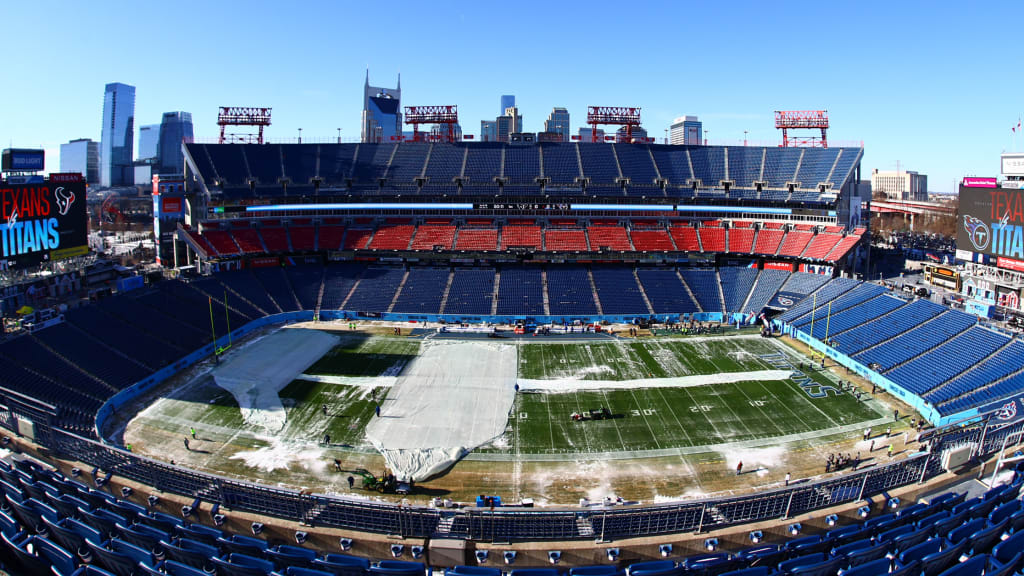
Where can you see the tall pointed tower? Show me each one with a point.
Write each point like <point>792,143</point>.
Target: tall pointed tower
<point>382,112</point>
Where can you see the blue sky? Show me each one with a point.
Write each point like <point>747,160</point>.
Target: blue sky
<point>933,85</point>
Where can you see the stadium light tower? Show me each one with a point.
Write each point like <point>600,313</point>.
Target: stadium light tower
<point>617,115</point>
<point>447,115</point>
<point>242,116</point>
<point>786,120</point>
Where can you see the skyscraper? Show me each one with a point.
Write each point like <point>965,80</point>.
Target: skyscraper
<point>175,128</point>
<point>82,156</point>
<point>685,130</point>
<point>149,136</point>
<point>488,131</point>
<point>117,135</point>
<point>507,101</point>
<point>509,123</point>
<point>558,122</point>
<point>382,112</point>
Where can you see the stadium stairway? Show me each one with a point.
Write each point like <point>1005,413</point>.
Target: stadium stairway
<point>398,292</point>
<point>593,291</point>
<point>447,290</point>
<point>351,291</point>
<point>938,390</point>
<point>643,293</point>
<point>885,342</point>
<point>979,393</point>
<point>721,292</point>
<point>494,295</point>
<point>689,292</point>
<point>544,291</point>
<point>76,366</point>
<point>750,292</point>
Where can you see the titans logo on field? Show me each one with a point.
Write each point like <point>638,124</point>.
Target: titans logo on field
<point>977,231</point>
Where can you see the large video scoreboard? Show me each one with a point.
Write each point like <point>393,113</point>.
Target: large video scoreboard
<point>46,221</point>
<point>991,223</point>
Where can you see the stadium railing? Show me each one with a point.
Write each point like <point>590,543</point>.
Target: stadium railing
<point>558,524</point>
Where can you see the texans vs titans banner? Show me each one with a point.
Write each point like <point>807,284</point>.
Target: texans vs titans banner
<point>992,223</point>
<point>41,222</point>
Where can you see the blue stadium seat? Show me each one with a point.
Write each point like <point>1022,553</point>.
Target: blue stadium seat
<point>236,564</point>
<point>398,568</point>
<point>120,557</point>
<point>342,565</point>
<point>288,555</point>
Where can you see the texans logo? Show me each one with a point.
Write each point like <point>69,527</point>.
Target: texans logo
<point>64,200</point>
<point>1007,411</point>
<point>977,231</point>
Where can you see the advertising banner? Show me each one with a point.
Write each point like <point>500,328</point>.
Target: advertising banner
<point>992,223</point>
<point>41,222</point>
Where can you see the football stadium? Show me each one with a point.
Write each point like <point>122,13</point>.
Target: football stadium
<point>393,357</point>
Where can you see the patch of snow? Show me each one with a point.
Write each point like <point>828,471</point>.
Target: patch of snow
<point>759,459</point>
<point>257,374</point>
<point>282,455</point>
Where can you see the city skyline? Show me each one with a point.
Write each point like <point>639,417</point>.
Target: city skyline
<point>857,74</point>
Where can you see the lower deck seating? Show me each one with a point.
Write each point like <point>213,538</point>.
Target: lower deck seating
<point>570,292</point>
<point>423,291</point>
<point>471,292</point>
<point>375,290</point>
<point>521,291</point>
<point>618,291</point>
<point>666,292</point>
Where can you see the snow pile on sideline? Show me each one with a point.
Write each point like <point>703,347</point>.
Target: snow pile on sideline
<point>450,399</point>
<point>573,384</point>
<point>255,374</point>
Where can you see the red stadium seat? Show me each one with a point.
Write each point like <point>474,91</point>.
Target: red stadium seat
<point>794,243</point>
<point>768,241</point>
<point>558,240</point>
<point>610,237</point>
<point>685,238</point>
<point>477,239</point>
<point>430,235</point>
<point>741,240</point>
<point>392,237</point>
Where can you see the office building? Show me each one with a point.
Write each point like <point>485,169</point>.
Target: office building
<point>509,123</point>
<point>149,138</point>
<point>82,156</point>
<point>685,130</point>
<point>507,101</point>
<point>488,131</point>
<point>175,128</point>
<point>638,134</point>
<point>586,133</point>
<point>382,112</point>
<point>117,136</point>
<point>898,185</point>
<point>558,122</point>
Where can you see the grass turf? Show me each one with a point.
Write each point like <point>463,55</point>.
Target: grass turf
<point>657,418</point>
<point>645,418</point>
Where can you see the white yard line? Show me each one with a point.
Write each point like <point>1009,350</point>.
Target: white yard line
<point>574,384</point>
<point>618,432</point>
<point>738,417</point>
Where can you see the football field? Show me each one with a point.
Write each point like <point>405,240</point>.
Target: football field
<point>670,416</point>
<point>655,398</point>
